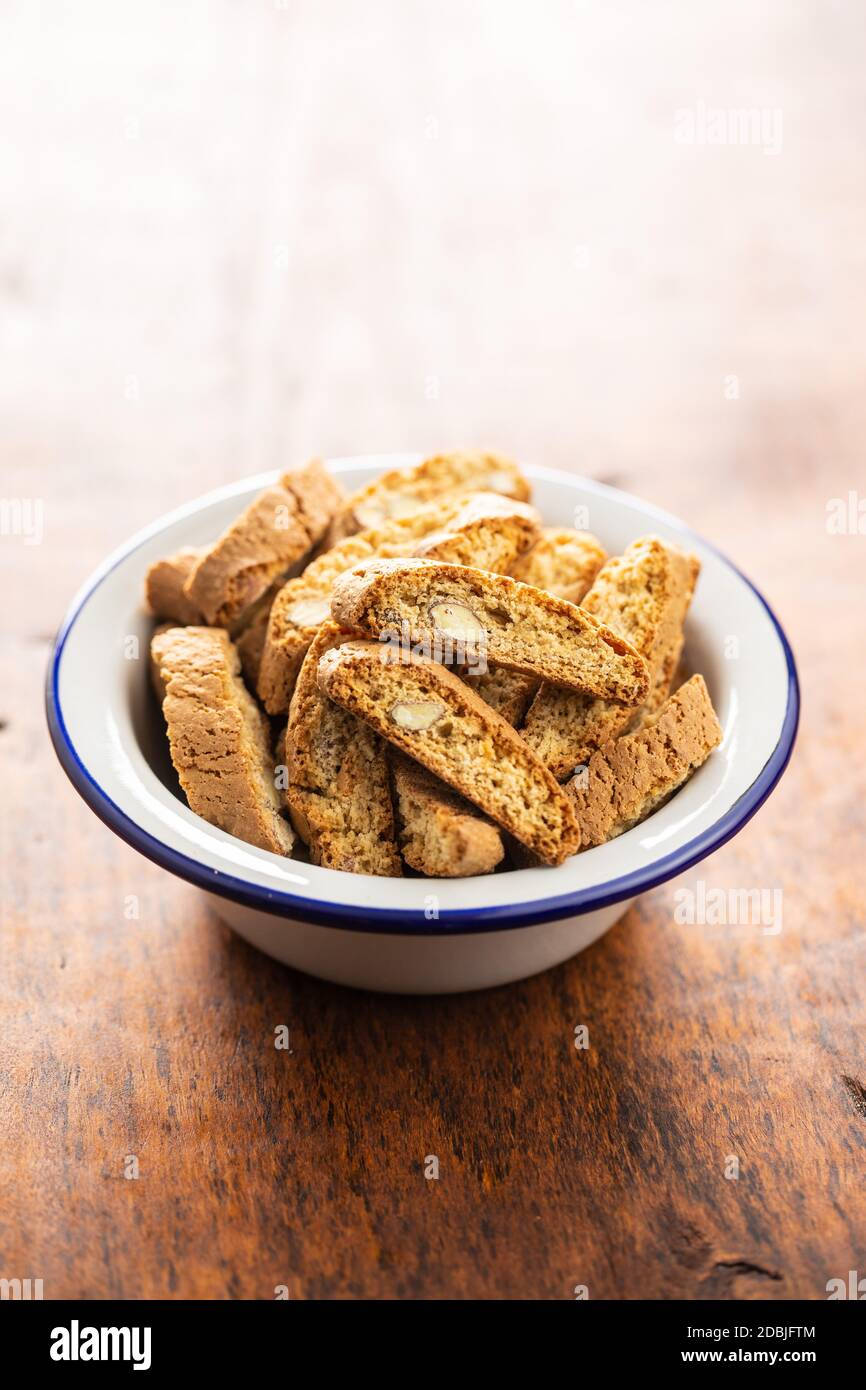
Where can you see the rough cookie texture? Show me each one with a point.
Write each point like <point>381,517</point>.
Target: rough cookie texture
<point>250,642</point>
<point>563,562</point>
<point>508,692</point>
<point>439,833</point>
<point>404,490</point>
<point>219,739</point>
<point>275,531</point>
<point>427,712</point>
<point>463,614</point>
<point>338,791</point>
<point>495,528</point>
<point>643,595</point>
<point>628,780</point>
<point>163,587</point>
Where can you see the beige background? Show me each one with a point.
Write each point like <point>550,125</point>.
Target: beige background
<point>235,234</point>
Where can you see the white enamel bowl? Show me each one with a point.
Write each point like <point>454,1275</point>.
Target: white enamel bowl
<point>416,935</point>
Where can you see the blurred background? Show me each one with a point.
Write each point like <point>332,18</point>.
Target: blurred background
<point>238,233</point>
<point>611,236</point>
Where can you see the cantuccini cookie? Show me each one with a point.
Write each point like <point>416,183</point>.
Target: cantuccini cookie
<point>404,490</point>
<point>427,712</point>
<point>267,540</point>
<point>562,561</point>
<point>495,528</point>
<point>643,595</point>
<point>629,779</point>
<point>218,737</point>
<point>469,615</point>
<point>338,792</point>
<point>440,834</point>
<point>510,693</point>
<point>164,587</point>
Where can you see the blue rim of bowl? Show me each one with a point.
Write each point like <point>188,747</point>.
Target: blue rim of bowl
<point>459,921</point>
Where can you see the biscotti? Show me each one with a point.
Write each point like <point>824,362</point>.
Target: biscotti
<point>271,536</point>
<point>164,588</point>
<point>469,615</point>
<point>510,693</point>
<point>495,528</point>
<point>427,712</point>
<point>629,779</point>
<point>404,490</point>
<point>338,792</point>
<point>440,834</point>
<point>250,642</point>
<point>218,737</point>
<point>564,562</point>
<point>643,595</point>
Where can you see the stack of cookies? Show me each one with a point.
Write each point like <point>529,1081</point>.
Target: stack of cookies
<point>420,677</point>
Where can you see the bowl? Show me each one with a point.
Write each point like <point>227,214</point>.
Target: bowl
<point>414,935</point>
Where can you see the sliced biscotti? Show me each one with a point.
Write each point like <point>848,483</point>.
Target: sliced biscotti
<point>250,642</point>
<point>643,595</point>
<point>267,540</point>
<point>487,531</point>
<point>495,528</point>
<point>510,693</point>
<point>338,791</point>
<point>463,614</point>
<point>404,490</point>
<point>427,712</point>
<point>562,561</point>
<point>219,739</point>
<point>629,779</point>
<point>440,834</point>
<point>164,587</point>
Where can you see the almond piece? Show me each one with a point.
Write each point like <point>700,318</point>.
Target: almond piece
<point>416,715</point>
<point>308,612</point>
<point>455,618</point>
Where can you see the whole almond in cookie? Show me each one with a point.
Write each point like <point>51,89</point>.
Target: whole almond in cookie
<point>459,614</point>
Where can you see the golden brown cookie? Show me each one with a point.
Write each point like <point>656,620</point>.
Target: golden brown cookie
<point>219,739</point>
<point>439,833</point>
<point>273,534</point>
<point>629,779</point>
<point>495,528</point>
<point>338,791</point>
<point>458,614</point>
<point>164,587</point>
<point>427,712</point>
<point>403,490</point>
<point>642,595</point>
<point>562,561</point>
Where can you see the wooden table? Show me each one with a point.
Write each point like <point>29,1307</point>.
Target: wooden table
<point>243,236</point>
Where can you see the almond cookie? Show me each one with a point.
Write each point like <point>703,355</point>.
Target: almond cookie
<point>628,780</point>
<point>426,711</point>
<point>404,490</point>
<point>250,642</point>
<point>563,562</point>
<point>338,791</point>
<point>643,595</point>
<point>462,614</point>
<point>163,587</point>
<point>439,833</point>
<point>495,528</point>
<point>272,535</point>
<point>510,693</point>
<point>219,739</point>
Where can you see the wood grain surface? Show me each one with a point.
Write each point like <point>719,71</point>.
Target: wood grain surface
<point>238,234</point>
